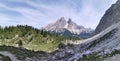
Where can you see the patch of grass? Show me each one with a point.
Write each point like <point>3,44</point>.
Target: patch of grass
<point>43,47</point>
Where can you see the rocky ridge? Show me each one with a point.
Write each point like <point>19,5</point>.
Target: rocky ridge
<point>110,17</point>
<point>61,26</point>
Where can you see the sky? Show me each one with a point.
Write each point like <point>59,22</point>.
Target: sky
<point>39,13</point>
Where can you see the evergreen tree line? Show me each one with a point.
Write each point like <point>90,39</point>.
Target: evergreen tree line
<point>28,35</point>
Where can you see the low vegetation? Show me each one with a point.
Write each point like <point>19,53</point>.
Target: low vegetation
<point>24,36</point>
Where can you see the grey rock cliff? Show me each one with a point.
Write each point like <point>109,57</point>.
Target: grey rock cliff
<point>111,16</point>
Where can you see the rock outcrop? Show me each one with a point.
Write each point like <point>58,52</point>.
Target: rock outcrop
<point>111,17</point>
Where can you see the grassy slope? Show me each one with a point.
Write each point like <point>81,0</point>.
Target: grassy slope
<point>31,38</point>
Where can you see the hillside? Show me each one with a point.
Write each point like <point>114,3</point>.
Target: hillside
<point>30,38</point>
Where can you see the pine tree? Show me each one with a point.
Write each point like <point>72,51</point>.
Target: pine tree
<point>20,44</point>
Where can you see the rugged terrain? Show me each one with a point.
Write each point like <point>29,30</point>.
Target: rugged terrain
<point>110,17</point>
<point>69,28</point>
<point>9,53</point>
<point>104,46</point>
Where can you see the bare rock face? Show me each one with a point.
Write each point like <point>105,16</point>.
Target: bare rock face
<point>57,25</point>
<point>111,16</point>
<point>60,23</point>
<point>74,28</point>
<point>69,28</point>
<point>63,24</point>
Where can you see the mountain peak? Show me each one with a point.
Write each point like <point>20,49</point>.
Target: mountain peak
<point>62,19</point>
<point>68,25</point>
<point>70,20</point>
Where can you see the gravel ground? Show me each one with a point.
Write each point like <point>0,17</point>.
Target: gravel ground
<point>114,58</point>
<point>12,57</point>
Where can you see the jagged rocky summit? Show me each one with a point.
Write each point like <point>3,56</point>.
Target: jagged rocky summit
<point>69,28</point>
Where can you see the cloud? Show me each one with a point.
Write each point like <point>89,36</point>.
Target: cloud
<point>28,15</point>
<point>39,13</point>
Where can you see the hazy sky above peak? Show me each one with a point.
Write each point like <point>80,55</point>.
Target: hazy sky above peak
<point>39,13</point>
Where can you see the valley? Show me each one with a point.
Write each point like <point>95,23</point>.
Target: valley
<point>63,40</point>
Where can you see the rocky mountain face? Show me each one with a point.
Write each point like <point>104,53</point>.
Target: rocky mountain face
<point>111,16</point>
<point>102,46</point>
<point>62,26</point>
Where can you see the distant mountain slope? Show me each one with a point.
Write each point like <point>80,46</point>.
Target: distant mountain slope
<point>62,26</point>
